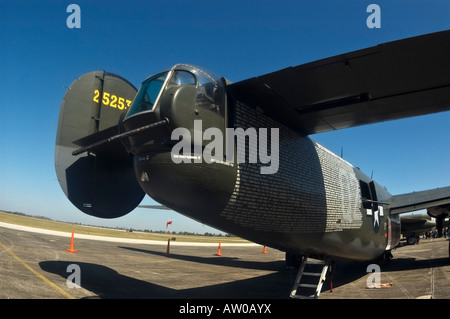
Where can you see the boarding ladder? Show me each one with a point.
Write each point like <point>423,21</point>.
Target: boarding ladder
<point>306,285</point>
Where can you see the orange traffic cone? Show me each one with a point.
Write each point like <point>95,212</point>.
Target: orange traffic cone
<point>71,246</point>
<point>264,251</point>
<point>218,252</point>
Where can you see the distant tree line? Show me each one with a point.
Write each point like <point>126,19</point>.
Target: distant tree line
<point>185,233</point>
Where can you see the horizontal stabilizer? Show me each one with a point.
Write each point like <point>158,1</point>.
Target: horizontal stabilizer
<point>155,207</point>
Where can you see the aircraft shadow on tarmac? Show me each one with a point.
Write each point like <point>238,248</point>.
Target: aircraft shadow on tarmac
<point>104,281</point>
<point>107,283</point>
<point>222,261</point>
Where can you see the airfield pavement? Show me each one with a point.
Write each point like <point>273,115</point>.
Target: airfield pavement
<point>35,265</point>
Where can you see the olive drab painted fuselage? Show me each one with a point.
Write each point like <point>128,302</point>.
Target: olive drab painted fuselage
<point>313,203</point>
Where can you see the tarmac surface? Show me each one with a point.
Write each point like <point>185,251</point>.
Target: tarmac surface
<point>38,266</point>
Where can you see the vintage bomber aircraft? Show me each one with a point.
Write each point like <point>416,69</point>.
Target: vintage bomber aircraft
<point>114,145</point>
<point>413,226</point>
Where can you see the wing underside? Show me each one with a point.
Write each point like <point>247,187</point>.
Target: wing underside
<point>436,201</point>
<point>390,81</point>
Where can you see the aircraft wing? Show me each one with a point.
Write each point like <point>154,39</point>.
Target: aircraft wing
<point>436,201</point>
<point>415,219</point>
<point>394,80</point>
<point>415,225</point>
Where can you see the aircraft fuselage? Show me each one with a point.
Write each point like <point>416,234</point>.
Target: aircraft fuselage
<point>315,203</point>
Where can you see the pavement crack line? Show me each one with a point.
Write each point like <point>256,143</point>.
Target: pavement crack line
<point>48,282</point>
<point>432,274</point>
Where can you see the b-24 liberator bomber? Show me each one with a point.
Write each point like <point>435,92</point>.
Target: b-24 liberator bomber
<point>238,156</point>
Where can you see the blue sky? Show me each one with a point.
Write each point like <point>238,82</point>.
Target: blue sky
<point>40,57</point>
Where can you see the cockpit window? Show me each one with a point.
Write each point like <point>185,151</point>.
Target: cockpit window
<point>209,88</point>
<point>148,94</point>
<point>182,78</point>
<point>210,93</point>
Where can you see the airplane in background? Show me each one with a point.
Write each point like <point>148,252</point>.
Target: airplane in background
<point>415,225</point>
<point>115,144</point>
